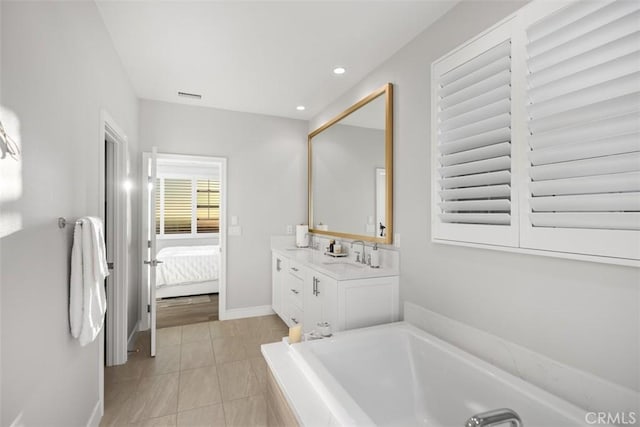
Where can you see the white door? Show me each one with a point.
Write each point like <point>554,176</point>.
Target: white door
<point>151,262</point>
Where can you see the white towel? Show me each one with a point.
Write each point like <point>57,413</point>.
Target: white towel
<point>87,300</point>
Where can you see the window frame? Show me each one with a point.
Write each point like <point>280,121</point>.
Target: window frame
<point>194,203</point>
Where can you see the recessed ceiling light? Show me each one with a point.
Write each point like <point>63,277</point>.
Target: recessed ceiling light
<point>339,70</point>
<point>300,107</point>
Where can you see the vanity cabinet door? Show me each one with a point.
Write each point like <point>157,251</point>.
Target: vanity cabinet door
<point>278,271</point>
<point>367,302</point>
<point>320,303</point>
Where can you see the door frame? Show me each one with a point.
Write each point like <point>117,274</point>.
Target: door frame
<point>117,295</point>
<point>224,184</point>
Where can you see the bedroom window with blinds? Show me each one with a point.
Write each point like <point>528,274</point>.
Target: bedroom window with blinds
<point>187,206</point>
<point>208,209</point>
<point>178,205</point>
<point>574,132</point>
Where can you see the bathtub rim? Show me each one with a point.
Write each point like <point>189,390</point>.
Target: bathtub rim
<point>295,355</point>
<point>531,391</point>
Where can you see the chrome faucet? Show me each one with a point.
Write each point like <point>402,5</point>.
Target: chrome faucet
<point>364,258</point>
<point>495,417</point>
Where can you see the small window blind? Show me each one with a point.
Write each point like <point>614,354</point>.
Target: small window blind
<point>177,206</point>
<point>208,208</point>
<point>584,121</point>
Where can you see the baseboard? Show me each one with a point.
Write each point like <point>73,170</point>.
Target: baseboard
<point>131,342</point>
<point>578,387</point>
<point>239,313</point>
<point>96,415</point>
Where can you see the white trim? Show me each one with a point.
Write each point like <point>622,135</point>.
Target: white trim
<point>222,235</point>
<point>166,237</point>
<point>240,313</point>
<point>132,336</point>
<point>222,289</point>
<point>100,375</point>
<point>581,388</point>
<point>546,253</point>
<point>117,295</point>
<point>96,415</point>
<point>143,295</point>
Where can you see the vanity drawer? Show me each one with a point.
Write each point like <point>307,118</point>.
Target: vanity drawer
<point>295,283</point>
<point>294,290</point>
<point>296,270</point>
<point>296,316</point>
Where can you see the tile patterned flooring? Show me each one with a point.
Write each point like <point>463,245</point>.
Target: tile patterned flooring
<point>204,374</point>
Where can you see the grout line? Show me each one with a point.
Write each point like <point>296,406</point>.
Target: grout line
<point>179,376</point>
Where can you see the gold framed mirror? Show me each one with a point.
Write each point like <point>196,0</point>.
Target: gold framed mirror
<point>350,175</point>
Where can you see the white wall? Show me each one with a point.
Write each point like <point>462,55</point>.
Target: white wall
<point>58,70</point>
<point>585,315</point>
<point>266,180</point>
<point>345,159</point>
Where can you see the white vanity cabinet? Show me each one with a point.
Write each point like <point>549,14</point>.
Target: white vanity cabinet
<point>304,292</point>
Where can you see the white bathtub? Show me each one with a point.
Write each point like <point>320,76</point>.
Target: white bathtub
<point>399,375</point>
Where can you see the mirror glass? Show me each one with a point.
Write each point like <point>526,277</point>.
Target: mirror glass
<point>349,172</point>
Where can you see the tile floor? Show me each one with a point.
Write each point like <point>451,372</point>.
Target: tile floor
<point>205,374</point>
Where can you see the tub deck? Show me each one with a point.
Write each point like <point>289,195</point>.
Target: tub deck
<point>399,375</point>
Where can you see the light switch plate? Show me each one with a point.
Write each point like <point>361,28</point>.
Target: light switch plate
<point>289,229</point>
<point>396,240</point>
<point>235,230</point>
<point>234,220</point>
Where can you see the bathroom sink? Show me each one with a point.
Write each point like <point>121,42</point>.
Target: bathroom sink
<point>345,264</point>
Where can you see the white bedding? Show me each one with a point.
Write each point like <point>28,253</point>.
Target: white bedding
<point>187,264</point>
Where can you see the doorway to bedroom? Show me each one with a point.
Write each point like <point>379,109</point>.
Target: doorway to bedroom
<point>183,278</point>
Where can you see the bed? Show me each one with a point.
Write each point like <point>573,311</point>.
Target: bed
<point>187,270</point>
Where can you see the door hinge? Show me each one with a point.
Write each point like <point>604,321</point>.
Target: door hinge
<point>110,265</point>
<point>149,244</point>
<point>149,180</point>
<point>148,308</point>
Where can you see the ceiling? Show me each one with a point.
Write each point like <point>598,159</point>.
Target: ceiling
<point>260,57</point>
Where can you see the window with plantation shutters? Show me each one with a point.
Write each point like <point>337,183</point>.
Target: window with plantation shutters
<point>472,143</point>
<point>583,147</point>
<point>177,206</point>
<point>545,161</point>
<point>187,206</point>
<point>208,208</point>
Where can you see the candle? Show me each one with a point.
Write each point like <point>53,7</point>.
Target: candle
<point>295,334</point>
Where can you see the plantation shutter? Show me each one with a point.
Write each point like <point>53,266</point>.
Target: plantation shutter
<point>208,208</point>
<point>472,168</point>
<point>583,97</point>
<point>177,206</point>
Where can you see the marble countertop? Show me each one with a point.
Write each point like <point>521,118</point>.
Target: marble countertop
<point>337,268</point>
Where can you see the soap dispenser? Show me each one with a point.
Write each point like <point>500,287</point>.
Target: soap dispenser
<point>375,257</point>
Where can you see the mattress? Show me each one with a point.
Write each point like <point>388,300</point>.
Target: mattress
<point>187,264</point>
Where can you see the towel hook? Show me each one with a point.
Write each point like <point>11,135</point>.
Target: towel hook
<point>62,222</point>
